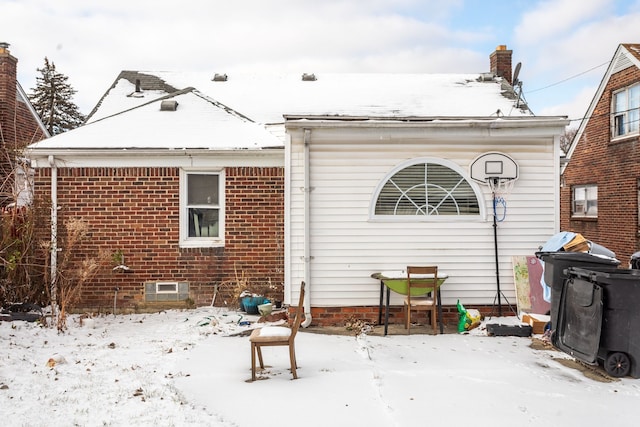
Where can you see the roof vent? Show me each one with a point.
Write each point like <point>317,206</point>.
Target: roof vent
<point>169,105</point>
<point>220,77</point>
<point>486,77</point>
<point>309,77</point>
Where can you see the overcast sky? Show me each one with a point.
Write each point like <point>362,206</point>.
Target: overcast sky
<point>564,45</point>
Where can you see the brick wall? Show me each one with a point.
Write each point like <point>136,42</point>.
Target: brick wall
<point>136,210</point>
<point>18,126</point>
<point>337,316</point>
<point>615,168</point>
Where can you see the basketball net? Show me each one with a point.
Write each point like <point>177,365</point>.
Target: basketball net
<point>500,189</point>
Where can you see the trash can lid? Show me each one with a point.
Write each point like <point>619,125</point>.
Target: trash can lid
<point>578,256</point>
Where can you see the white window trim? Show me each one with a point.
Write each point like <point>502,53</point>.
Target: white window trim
<point>431,218</point>
<point>201,242</point>
<point>584,214</point>
<point>625,114</point>
<point>159,285</point>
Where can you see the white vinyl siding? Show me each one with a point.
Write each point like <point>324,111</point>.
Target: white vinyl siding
<point>346,246</point>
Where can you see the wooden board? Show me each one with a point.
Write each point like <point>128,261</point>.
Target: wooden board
<point>527,272</point>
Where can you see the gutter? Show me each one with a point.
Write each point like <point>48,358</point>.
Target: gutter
<point>54,232</point>
<point>307,231</point>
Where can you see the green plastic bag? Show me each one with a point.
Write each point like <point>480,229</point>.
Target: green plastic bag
<point>467,319</point>
<point>462,317</point>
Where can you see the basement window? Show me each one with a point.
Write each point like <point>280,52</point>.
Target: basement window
<point>166,287</point>
<point>425,190</point>
<point>166,291</point>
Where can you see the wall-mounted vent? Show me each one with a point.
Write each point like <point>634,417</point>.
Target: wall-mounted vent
<point>166,291</point>
<point>169,105</point>
<point>220,77</point>
<point>309,77</point>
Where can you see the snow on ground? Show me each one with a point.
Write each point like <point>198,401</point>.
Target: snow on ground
<point>176,368</point>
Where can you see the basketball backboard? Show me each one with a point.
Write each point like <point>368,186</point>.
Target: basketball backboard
<point>493,165</point>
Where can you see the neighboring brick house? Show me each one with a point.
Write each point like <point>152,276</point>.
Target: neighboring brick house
<point>19,123</point>
<point>601,178</point>
<point>269,179</point>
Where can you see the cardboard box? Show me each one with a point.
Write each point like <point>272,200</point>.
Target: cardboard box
<point>578,244</point>
<point>536,321</point>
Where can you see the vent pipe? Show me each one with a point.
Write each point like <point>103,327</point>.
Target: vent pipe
<point>169,105</point>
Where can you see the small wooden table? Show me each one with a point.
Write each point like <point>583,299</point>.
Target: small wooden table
<point>397,281</point>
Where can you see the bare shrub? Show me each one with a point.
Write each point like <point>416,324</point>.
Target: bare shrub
<point>233,290</point>
<point>241,285</point>
<point>21,279</point>
<point>72,274</point>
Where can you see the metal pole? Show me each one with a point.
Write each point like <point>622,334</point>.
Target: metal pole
<point>54,237</point>
<point>495,245</point>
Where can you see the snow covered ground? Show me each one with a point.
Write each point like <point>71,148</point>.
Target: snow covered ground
<point>176,368</point>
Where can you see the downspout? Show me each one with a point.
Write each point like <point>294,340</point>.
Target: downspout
<point>307,231</point>
<point>54,234</point>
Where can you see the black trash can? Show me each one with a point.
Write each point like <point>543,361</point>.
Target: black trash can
<point>598,319</point>
<point>556,264</point>
<point>635,261</point>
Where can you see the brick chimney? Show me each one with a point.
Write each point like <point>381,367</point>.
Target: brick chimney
<point>500,63</point>
<point>8,93</point>
<point>19,123</point>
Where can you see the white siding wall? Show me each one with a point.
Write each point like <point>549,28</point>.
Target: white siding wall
<point>347,246</point>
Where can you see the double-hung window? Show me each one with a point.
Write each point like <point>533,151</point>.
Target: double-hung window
<point>201,204</point>
<point>626,111</point>
<point>584,201</point>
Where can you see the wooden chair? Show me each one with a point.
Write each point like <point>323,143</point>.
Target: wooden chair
<point>277,335</point>
<point>425,302</point>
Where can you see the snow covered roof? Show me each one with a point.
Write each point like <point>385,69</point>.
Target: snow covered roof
<point>266,98</point>
<point>196,123</point>
<point>242,111</point>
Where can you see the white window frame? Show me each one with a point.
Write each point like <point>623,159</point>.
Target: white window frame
<point>204,241</point>
<point>584,201</point>
<point>161,285</point>
<point>432,217</point>
<point>24,184</point>
<point>625,115</point>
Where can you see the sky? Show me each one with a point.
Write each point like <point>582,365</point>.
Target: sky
<point>181,368</point>
<point>564,46</point>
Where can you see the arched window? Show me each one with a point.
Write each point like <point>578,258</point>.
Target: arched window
<point>426,188</point>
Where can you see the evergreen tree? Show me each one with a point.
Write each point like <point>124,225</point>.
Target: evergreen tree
<point>52,99</point>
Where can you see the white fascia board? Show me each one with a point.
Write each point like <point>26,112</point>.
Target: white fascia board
<point>158,158</point>
<point>537,127</point>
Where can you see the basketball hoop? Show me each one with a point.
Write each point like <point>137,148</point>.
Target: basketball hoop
<point>499,172</point>
<point>499,186</point>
